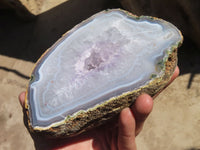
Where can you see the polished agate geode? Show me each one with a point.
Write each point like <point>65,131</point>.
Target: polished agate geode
<point>98,68</point>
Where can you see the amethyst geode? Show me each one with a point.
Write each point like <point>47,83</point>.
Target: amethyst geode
<point>97,69</point>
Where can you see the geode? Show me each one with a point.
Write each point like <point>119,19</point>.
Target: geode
<point>98,68</point>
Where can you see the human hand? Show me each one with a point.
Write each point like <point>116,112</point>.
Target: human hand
<point>118,134</point>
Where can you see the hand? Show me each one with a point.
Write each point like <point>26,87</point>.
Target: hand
<point>118,134</point>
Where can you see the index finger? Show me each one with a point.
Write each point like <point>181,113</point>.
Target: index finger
<point>22,98</point>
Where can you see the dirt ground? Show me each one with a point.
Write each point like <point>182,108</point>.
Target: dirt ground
<point>174,123</point>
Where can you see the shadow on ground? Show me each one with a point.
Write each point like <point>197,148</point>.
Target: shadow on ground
<point>28,40</point>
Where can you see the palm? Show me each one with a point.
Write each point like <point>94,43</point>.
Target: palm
<point>102,138</point>
<point>112,136</point>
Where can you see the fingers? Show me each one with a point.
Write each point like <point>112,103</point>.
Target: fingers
<point>130,125</point>
<point>126,133</point>
<point>144,105</point>
<point>22,99</point>
<point>141,109</point>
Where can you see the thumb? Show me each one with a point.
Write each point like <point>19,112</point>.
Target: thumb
<point>126,133</point>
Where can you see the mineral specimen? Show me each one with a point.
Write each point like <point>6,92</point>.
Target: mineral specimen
<point>97,69</point>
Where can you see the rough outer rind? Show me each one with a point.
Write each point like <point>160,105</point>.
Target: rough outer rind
<point>93,117</point>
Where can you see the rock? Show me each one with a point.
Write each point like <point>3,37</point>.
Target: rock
<point>98,68</point>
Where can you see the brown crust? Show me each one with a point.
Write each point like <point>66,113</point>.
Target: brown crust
<point>100,114</point>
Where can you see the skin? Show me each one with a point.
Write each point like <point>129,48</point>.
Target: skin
<point>118,134</point>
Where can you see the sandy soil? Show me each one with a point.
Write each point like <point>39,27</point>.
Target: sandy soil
<point>13,132</point>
